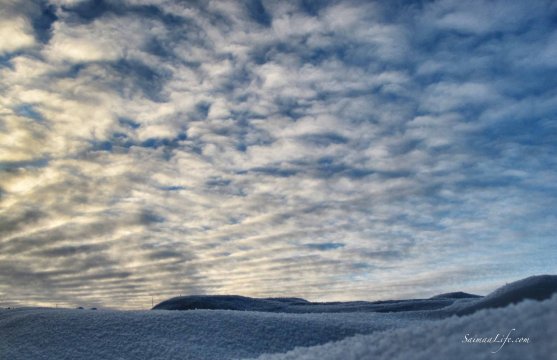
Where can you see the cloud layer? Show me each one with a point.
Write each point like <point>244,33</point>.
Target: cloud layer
<point>329,150</point>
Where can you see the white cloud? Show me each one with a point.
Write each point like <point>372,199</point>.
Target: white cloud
<point>16,30</point>
<point>15,34</point>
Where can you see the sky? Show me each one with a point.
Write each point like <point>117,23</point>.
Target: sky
<point>332,150</point>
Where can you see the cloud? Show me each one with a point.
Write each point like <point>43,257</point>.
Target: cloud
<point>16,28</point>
<point>15,34</point>
<point>329,150</point>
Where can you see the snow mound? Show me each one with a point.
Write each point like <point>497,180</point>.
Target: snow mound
<point>456,295</point>
<point>289,300</point>
<point>535,287</point>
<point>447,339</point>
<point>296,305</point>
<point>221,302</point>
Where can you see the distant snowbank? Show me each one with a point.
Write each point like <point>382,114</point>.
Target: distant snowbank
<point>445,339</point>
<point>226,302</point>
<point>456,295</point>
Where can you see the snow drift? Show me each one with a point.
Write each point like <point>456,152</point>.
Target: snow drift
<point>446,339</point>
<point>535,287</point>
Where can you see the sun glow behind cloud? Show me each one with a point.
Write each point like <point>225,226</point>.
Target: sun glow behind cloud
<point>329,150</point>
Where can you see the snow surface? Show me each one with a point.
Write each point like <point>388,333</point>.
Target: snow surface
<point>39,333</point>
<point>198,334</point>
<point>444,339</point>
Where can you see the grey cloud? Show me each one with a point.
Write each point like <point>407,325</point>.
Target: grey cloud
<point>70,250</point>
<point>324,246</point>
<point>17,221</point>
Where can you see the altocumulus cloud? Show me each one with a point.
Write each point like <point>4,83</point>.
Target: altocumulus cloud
<point>324,149</point>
